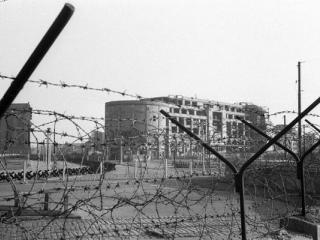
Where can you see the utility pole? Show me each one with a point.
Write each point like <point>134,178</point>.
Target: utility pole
<point>54,137</point>
<point>48,150</point>
<point>285,136</point>
<point>299,109</point>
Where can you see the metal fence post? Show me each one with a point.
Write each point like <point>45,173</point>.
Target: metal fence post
<point>239,185</point>
<point>16,199</point>
<point>65,202</point>
<point>203,161</point>
<point>101,168</point>
<point>24,171</point>
<point>64,171</point>
<point>135,169</point>
<point>46,202</point>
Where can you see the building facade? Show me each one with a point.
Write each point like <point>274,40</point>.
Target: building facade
<point>135,128</point>
<point>214,122</point>
<point>15,129</point>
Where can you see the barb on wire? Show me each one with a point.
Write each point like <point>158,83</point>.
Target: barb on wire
<point>46,83</point>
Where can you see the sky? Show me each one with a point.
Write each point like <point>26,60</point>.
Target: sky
<point>223,50</point>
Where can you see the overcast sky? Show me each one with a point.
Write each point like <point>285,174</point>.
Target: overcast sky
<point>224,50</point>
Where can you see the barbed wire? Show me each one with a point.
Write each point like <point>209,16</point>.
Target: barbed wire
<point>45,83</point>
<point>202,196</point>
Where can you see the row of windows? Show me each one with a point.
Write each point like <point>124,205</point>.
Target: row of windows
<point>233,109</point>
<point>195,104</point>
<point>189,121</point>
<point>233,116</point>
<point>187,103</point>
<point>194,130</point>
<point>188,111</point>
<point>216,115</point>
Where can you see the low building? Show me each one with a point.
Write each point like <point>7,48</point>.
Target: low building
<point>15,129</point>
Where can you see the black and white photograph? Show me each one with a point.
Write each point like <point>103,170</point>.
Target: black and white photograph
<point>159,119</point>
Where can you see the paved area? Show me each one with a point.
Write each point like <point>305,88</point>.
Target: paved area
<point>133,228</point>
<point>143,228</point>
<point>156,221</point>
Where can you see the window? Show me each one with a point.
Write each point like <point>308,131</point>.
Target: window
<point>176,110</point>
<point>240,129</point>
<point>191,111</point>
<point>188,121</point>
<point>184,111</point>
<point>201,113</point>
<point>227,108</point>
<point>230,116</point>
<point>196,130</point>
<point>180,102</point>
<point>229,129</point>
<point>232,109</point>
<point>217,116</point>
<point>187,103</point>
<point>194,104</point>
<point>181,120</point>
<point>174,129</point>
<point>217,126</point>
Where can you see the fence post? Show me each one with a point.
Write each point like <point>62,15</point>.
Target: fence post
<point>239,187</point>
<point>65,203</point>
<point>190,167</point>
<point>203,161</point>
<point>24,171</point>
<point>64,171</point>
<point>16,199</point>
<point>135,169</point>
<point>101,168</point>
<point>165,168</point>
<point>46,202</point>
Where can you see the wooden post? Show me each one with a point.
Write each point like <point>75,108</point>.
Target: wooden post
<point>46,202</point>
<point>190,167</point>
